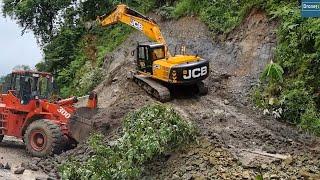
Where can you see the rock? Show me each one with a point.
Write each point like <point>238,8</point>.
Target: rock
<point>20,170</point>
<point>36,160</point>
<point>52,176</point>
<point>205,144</point>
<point>218,154</point>
<point>197,162</point>
<point>7,166</point>
<point>304,174</point>
<point>192,152</point>
<point>115,79</point>
<point>130,75</point>
<point>175,177</point>
<point>199,177</point>
<point>212,160</point>
<point>246,175</point>
<point>41,178</point>
<point>33,167</point>
<point>203,167</point>
<point>24,165</point>
<point>274,176</point>
<point>269,149</point>
<point>187,176</point>
<point>226,102</point>
<point>218,112</point>
<point>204,116</point>
<point>228,116</point>
<point>264,166</point>
<point>183,169</point>
<point>189,168</point>
<point>288,160</point>
<point>1,166</point>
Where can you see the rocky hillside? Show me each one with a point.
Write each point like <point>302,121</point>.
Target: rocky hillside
<point>236,140</point>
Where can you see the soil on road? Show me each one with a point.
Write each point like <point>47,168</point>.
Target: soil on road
<point>12,151</point>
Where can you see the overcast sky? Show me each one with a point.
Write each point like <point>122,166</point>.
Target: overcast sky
<point>14,48</point>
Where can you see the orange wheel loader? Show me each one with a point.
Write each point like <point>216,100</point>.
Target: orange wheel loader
<point>27,114</point>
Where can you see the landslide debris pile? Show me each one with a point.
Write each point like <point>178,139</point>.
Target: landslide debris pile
<point>236,140</point>
<point>148,132</point>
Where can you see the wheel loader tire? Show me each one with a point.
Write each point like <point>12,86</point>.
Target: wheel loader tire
<point>1,138</point>
<point>43,138</point>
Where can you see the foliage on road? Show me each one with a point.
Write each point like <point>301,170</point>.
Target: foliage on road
<point>147,133</point>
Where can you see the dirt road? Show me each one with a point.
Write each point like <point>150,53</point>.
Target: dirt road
<point>12,151</point>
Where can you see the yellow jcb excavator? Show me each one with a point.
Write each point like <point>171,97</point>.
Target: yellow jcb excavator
<point>156,68</point>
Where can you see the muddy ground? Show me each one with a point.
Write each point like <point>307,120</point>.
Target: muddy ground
<point>12,152</point>
<point>236,140</point>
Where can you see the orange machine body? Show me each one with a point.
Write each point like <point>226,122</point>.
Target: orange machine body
<point>15,116</point>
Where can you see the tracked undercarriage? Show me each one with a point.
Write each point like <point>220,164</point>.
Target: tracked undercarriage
<point>159,91</point>
<point>152,87</point>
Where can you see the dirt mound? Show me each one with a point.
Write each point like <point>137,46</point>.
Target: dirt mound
<point>237,141</point>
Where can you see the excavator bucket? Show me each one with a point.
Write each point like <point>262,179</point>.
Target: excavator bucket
<point>81,124</point>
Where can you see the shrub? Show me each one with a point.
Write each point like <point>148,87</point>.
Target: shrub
<point>186,7</point>
<point>148,132</point>
<point>310,120</point>
<point>273,73</point>
<point>294,104</point>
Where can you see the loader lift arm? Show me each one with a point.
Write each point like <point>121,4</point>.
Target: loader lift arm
<point>146,25</point>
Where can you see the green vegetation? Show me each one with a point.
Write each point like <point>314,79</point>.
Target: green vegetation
<point>273,73</point>
<point>289,86</point>
<point>75,54</point>
<point>147,133</point>
<point>2,79</point>
<point>72,52</point>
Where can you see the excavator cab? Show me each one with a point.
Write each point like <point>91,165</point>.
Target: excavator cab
<point>28,85</point>
<point>147,53</point>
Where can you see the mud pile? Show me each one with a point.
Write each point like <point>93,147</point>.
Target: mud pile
<point>236,140</point>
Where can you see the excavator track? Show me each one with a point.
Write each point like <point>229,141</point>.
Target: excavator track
<point>152,87</point>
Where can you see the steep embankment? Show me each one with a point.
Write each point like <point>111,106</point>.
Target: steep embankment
<point>236,140</point>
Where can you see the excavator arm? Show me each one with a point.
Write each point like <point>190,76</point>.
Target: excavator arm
<point>146,25</point>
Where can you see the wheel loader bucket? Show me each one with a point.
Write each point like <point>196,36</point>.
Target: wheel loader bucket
<point>81,124</point>
<point>80,128</point>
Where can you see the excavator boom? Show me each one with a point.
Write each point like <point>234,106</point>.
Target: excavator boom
<point>122,13</point>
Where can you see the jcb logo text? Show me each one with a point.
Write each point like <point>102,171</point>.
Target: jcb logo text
<point>195,73</point>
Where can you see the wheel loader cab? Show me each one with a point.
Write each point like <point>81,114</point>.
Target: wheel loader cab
<point>147,53</point>
<point>28,85</point>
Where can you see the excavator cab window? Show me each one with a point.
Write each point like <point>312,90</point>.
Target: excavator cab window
<point>148,53</point>
<point>157,53</point>
<point>144,62</point>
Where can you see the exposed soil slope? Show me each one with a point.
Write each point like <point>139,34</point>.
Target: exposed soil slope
<point>236,140</point>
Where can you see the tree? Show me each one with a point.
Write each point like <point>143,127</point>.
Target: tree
<point>39,16</point>
<point>2,78</point>
<point>21,68</point>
